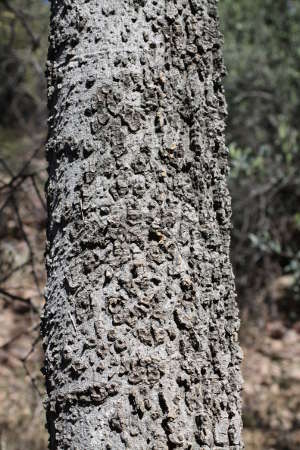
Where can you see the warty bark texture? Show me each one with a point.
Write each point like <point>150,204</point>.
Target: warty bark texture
<point>140,324</point>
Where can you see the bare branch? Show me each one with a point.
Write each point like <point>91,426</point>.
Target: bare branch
<point>27,301</point>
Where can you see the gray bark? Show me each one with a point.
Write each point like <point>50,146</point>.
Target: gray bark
<point>140,324</point>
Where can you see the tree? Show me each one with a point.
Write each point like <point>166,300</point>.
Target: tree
<point>140,323</point>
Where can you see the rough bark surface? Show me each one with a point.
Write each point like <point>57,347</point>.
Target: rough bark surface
<point>140,323</point>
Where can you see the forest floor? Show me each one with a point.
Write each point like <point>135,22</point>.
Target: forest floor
<point>271,367</point>
<point>271,371</point>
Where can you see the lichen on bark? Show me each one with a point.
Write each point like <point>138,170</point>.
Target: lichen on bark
<point>140,324</point>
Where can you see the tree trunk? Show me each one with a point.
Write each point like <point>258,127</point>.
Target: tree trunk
<point>140,323</point>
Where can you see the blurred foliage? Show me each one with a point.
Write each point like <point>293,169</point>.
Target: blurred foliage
<point>23,127</point>
<point>23,46</point>
<point>262,54</point>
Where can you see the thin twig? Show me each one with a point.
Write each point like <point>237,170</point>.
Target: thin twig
<point>34,39</point>
<point>43,203</point>
<point>32,380</point>
<point>27,301</point>
<point>20,174</point>
<point>28,243</point>
<point>6,167</point>
<point>16,269</point>
<point>17,336</point>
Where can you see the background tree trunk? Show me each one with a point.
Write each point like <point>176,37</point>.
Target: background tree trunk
<point>140,324</point>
